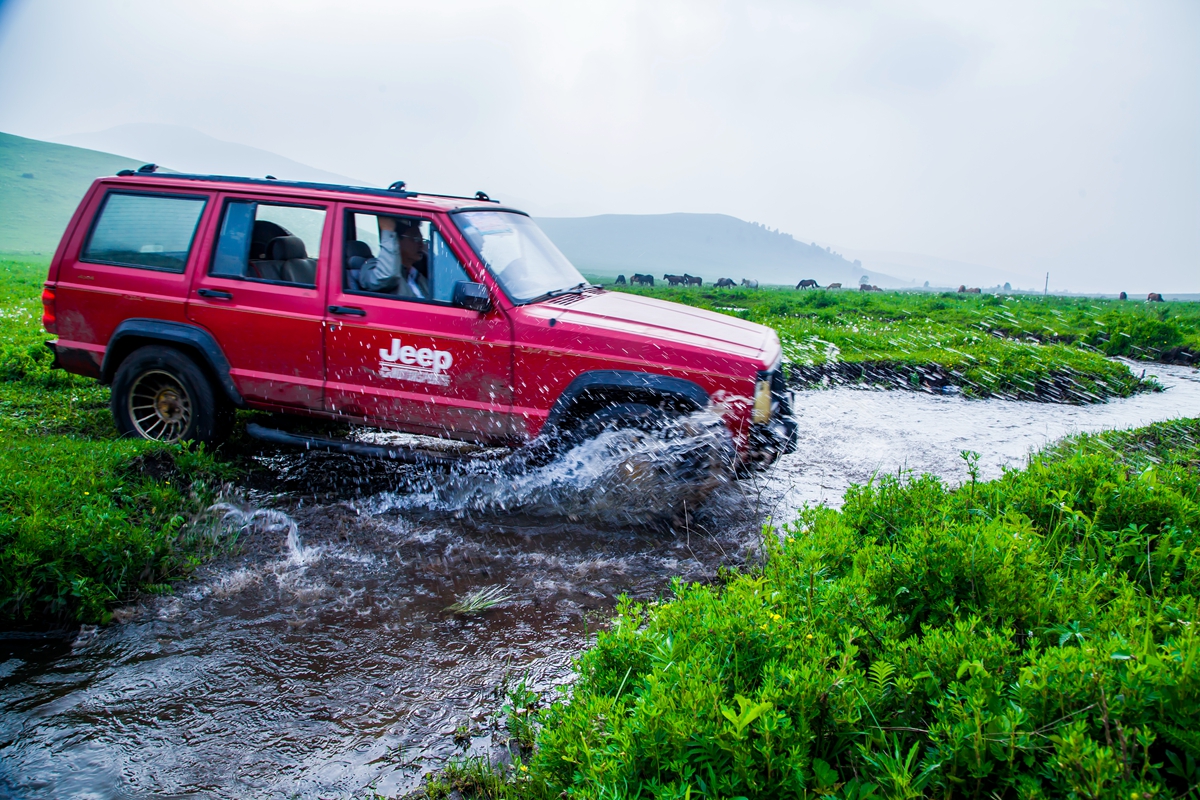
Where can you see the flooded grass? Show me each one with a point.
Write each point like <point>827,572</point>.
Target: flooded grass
<point>1021,347</point>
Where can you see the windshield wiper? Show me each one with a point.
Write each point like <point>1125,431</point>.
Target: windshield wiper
<point>576,289</point>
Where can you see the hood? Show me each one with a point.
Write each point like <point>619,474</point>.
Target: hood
<point>664,321</point>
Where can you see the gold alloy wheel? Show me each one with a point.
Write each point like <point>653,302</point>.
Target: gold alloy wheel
<point>159,407</point>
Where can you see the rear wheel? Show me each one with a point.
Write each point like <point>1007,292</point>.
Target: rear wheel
<point>160,394</point>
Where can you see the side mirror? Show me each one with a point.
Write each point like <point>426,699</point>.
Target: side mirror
<point>472,295</point>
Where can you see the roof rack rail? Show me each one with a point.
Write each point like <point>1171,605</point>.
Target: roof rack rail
<point>397,189</point>
<point>144,169</point>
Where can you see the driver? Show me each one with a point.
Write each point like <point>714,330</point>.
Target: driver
<point>396,269</point>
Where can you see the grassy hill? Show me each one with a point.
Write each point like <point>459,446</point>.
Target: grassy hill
<point>40,186</point>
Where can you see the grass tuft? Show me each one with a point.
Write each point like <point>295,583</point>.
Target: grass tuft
<point>480,600</point>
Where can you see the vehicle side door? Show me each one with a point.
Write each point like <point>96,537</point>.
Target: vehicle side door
<point>400,354</point>
<point>261,297</point>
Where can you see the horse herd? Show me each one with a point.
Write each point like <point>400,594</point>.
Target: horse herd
<point>639,279</point>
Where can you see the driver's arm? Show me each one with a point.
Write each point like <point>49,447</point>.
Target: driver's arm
<point>382,274</point>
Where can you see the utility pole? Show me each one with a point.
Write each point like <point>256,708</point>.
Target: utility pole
<point>1046,290</point>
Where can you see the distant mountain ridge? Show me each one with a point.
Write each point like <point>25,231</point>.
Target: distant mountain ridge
<point>184,149</point>
<point>709,245</point>
<point>41,183</point>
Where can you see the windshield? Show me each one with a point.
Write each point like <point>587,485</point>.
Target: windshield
<point>521,257</point>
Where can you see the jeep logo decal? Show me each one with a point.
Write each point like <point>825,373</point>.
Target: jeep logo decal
<point>408,363</point>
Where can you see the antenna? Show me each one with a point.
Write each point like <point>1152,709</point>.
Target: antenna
<point>1046,290</point>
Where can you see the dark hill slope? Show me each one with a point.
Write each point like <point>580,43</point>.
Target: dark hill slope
<point>709,245</point>
<point>35,210</point>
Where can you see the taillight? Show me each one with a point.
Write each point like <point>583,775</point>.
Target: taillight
<point>49,320</point>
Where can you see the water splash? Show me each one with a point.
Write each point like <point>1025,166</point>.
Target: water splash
<point>620,477</point>
<point>266,520</point>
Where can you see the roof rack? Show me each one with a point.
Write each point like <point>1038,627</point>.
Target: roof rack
<point>395,190</point>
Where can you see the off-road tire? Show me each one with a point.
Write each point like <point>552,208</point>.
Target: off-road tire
<point>638,416</point>
<point>160,394</point>
<point>695,464</point>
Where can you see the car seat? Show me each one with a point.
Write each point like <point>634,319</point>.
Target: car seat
<point>357,254</point>
<point>287,261</point>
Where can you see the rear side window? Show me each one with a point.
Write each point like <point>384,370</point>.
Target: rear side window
<point>269,242</point>
<point>145,231</point>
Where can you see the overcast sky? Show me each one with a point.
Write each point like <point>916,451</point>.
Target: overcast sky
<point>1026,136</point>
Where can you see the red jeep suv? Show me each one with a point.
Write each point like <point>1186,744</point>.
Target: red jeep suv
<point>194,295</point>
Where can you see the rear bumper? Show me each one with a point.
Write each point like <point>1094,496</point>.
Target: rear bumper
<point>75,359</point>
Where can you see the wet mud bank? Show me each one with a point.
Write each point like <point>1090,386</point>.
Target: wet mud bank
<point>1059,386</point>
<point>323,662</point>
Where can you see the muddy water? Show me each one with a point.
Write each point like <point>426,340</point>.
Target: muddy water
<point>329,667</point>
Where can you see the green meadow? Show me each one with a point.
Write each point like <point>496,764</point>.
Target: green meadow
<point>87,520</point>
<point>1021,347</point>
<point>1031,636</point>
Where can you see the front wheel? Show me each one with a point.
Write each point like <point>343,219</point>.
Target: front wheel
<point>687,455</point>
<point>160,394</point>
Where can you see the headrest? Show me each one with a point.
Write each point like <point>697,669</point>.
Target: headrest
<point>357,249</point>
<point>283,248</point>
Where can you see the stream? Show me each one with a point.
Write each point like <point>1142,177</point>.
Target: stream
<point>321,660</point>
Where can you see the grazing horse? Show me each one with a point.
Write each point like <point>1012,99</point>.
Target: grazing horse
<point>620,280</point>
<point>1154,297</point>
<point>641,280</point>
<point>834,286</point>
<point>749,284</point>
<point>725,283</point>
<point>692,280</point>
<point>807,283</point>
<point>674,280</point>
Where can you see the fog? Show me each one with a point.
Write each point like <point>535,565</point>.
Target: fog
<point>1023,136</point>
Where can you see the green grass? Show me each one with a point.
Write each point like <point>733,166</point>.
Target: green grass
<point>86,520</point>
<point>38,208</point>
<point>1018,347</point>
<point>1032,636</point>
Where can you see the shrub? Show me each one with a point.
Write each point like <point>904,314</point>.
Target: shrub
<point>1032,636</point>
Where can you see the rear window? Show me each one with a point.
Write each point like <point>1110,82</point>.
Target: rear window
<point>145,231</point>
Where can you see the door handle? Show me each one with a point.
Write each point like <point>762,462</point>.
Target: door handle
<point>215,293</point>
<point>351,310</point>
